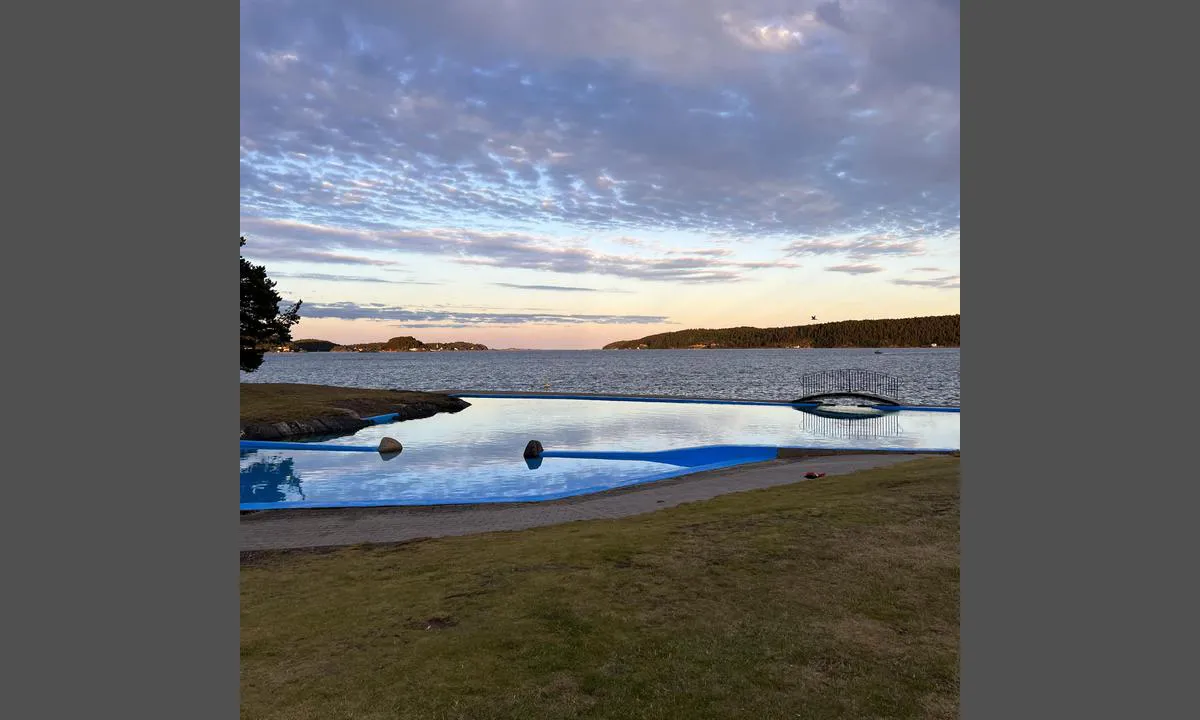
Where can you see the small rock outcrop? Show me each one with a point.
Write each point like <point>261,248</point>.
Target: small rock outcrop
<point>417,410</point>
<point>348,423</point>
<point>332,425</point>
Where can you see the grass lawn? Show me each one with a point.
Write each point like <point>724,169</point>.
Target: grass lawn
<point>833,598</point>
<point>283,402</point>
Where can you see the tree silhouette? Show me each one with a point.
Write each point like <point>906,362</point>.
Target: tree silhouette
<point>263,323</point>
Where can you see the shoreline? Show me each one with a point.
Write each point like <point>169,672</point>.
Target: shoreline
<point>288,411</point>
<point>600,349</point>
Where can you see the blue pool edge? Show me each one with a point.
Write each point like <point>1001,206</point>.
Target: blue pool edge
<point>770,453</point>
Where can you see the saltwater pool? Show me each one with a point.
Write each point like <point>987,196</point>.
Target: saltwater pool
<point>475,456</point>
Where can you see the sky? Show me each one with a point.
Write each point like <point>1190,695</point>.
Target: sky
<point>567,173</point>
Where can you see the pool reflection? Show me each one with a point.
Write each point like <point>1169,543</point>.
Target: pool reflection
<point>476,455</point>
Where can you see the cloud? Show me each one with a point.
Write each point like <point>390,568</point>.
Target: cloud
<point>555,288</point>
<point>427,317</point>
<point>859,269</point>
<point>755,120</point>
<point>927,269</point>
<point>349,278</point>
<point>275,239</point>
<point>702,252</point>
<point>861,248</point>
<point>948,282</point>
<point>295,254</point>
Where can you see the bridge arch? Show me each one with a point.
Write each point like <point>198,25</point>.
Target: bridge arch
<point>870,385</point>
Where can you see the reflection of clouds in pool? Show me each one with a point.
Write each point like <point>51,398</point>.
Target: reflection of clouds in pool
<point>477,453</point>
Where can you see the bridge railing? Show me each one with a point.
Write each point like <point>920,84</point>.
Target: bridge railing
<point>850,381</point>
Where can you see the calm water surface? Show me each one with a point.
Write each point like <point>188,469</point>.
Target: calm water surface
<point>928,376</point>
<point>475,455</point>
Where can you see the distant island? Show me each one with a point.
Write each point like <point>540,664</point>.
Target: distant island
<point>397,344</point>
<point>937,330</point>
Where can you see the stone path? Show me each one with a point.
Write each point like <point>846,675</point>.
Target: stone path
<point>278,530</point>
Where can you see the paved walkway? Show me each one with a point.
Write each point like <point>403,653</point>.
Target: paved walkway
<point>277,530</point>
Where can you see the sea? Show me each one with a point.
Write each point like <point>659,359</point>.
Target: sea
<point>925,376</point>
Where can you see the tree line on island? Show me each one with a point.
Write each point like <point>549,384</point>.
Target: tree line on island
<point>936,330</point>
<point>405,343</point>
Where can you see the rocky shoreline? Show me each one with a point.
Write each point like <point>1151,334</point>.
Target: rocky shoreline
<point>351,416</point>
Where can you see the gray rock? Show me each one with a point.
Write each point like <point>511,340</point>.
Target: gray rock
<point>334,425</point>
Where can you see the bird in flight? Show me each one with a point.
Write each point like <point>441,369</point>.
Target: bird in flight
<point>814,317</point>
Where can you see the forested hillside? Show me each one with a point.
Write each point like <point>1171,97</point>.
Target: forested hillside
<point>942,330</point>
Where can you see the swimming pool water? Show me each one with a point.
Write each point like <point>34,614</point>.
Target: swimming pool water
<point>474,456</point>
